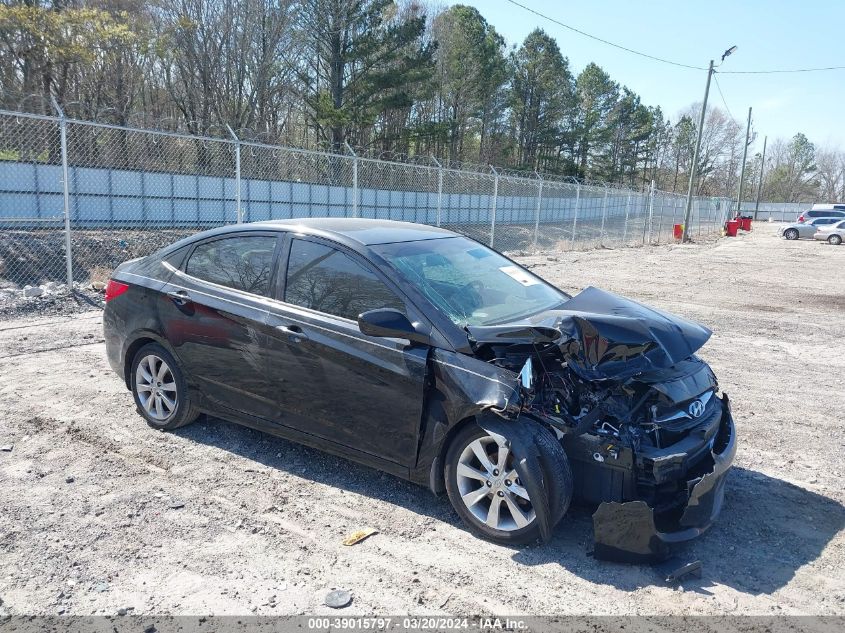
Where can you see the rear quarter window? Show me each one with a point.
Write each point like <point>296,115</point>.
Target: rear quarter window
<point>242,262</point>
<point>177,257</point>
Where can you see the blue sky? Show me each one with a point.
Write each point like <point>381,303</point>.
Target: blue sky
<point>771,34</point>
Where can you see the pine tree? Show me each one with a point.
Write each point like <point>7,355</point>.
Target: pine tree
<point>361,64</point>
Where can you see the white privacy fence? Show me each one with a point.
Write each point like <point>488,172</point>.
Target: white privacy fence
<point>77,198</point>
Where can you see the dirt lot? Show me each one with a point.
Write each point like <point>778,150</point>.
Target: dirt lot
<point>101,513</point>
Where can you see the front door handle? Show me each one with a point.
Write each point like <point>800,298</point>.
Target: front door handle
<point>293,332</point>
<point>179,297</point>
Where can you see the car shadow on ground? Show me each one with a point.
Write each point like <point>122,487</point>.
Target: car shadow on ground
<point>768,528</point>
<point>315,465</point>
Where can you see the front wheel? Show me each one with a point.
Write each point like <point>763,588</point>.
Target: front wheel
<point>159,389</point>
<point>487,493</point>
<point>791,234</point>
<point>834,239</point>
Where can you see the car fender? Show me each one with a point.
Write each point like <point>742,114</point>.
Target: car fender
<point>459,388</point>
<point>144,333</point>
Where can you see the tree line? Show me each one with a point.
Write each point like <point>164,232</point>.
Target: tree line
<point>394,78</point>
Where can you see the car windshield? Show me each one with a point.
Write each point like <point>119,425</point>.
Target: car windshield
<point>472,284</point>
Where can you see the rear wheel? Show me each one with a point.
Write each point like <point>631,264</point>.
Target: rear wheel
<point>791,234</point>
<point>159,389</point>
<point>834,239</point>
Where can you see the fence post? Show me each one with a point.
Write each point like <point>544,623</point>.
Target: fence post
<point>650,214</point>
<point>698,208</point>
<point>674,213</point>
<point>65,192</point>
<point>493,208</point>
<point>439,188</point>
<point>575,219</point>
<point>662,212</point>
<point>603,215</point>
<point>354,179</point>
<point>537,212</point>
<point>238,211</point>
<point>625,228</point>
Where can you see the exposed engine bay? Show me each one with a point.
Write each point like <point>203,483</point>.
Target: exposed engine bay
<point>635,409</point>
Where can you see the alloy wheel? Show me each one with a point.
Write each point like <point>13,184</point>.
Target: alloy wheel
<point>791,234</point>
<point>156,387</point>
<point>490,488</point>
<point>835,240</point>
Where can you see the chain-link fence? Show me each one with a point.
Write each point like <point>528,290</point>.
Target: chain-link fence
<point>77,198</point>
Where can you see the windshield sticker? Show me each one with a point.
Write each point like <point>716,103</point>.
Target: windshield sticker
<point>519,275</point>
<point>478,253</point>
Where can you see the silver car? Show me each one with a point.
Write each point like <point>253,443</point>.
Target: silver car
<point>805,230</point>
<point>833,233</point>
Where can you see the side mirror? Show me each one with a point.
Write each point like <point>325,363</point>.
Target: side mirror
<point>390,323</point>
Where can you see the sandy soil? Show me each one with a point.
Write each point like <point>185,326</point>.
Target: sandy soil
<point>101,513</point>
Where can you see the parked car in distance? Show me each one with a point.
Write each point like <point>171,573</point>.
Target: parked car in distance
<point>806,230</point>
<point>829,205</point>
<point>425,354</point>
<point>832,233</point>
<point>806,216</point>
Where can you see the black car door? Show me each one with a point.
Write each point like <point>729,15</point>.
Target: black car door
<point>214,313</point>
<point>332,381</point>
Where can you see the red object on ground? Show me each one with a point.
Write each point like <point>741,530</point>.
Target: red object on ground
<point>745,224</point>
<point>731,227</point>
<point>678,231</point>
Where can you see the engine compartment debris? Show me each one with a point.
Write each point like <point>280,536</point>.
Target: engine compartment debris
<point>647,436</point>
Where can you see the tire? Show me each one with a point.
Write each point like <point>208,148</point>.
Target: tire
<point>560,483</point>
<point>834,239</point>
<point>160,390</point>
<point>505,528</point>
<point>791,234</point>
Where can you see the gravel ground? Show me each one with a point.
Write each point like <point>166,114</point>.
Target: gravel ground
<point>100,513</point>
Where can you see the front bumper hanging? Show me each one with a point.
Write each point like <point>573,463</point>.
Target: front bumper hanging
<point>627,532</point>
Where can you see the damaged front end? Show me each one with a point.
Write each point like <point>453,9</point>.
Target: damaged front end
<point>647,436</point>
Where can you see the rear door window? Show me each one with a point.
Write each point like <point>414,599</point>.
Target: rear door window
<point>244,262</point>
<point>327,280</point>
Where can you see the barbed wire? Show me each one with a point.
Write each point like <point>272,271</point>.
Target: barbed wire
<point>37,104</point>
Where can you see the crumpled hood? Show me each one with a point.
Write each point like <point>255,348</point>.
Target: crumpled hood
<point>604,336</point>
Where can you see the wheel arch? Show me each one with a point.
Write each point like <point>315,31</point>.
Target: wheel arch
<point>436,478</point>
<point>136,342</point>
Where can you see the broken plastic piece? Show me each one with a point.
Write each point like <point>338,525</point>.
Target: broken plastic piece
<point>674,571</point>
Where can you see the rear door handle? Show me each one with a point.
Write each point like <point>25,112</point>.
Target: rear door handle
<point>179,297</point>
<point>293,332</point>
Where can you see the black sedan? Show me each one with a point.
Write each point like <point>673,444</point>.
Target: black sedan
<point>425,354</point>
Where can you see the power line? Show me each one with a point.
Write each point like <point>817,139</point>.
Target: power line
<point>669,61</point>
<point>719,88</point>
<point>771,72</point>
<point>598,39</point>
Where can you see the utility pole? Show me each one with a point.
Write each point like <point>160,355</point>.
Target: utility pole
<point>742,167</point>
<point>694,166</point>
<point>760,184</point>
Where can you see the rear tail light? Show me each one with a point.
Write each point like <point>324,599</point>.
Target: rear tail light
<point>115,289</point>
<point>800,218</point>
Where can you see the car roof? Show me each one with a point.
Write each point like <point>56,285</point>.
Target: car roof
<point>350,231</point>
<point>365,231</point>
